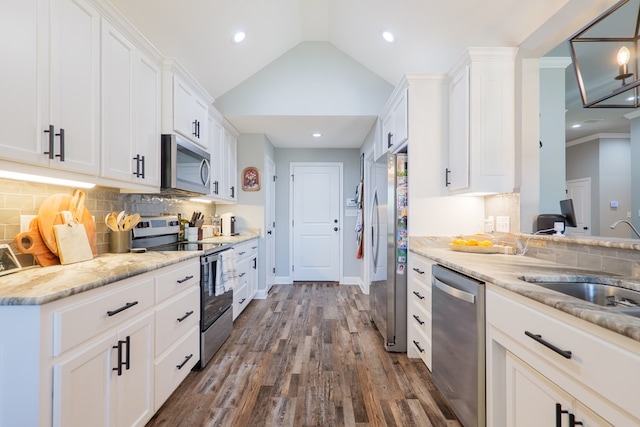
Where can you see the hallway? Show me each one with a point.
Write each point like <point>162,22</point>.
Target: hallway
<point>308,355</point>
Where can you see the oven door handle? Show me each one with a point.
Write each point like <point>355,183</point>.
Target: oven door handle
<point>456,293</point>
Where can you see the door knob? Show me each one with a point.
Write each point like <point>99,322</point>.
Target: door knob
<point>585,228</point>
<point>335,228</point>
<point>269,232</point>
<point>335,221</point>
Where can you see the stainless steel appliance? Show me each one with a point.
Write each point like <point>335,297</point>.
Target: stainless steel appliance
<point>216,319</point>
<point>389,251</point>
<point>185,168</point>
<point>458,343</point>
<point>228,224</point>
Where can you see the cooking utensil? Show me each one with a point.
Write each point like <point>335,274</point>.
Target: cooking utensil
<point>49,215</point>
<point>135,219</point>
<point>112,221</point>
<point>31,242</point>
<point>120,219</point>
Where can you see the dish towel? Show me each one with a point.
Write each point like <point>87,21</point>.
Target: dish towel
<point>229,276</point>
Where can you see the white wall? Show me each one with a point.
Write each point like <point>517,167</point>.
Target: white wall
<point>313,78</point>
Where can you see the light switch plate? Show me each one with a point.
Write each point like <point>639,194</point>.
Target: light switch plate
<point>25,220</point>
<point>503,224</point>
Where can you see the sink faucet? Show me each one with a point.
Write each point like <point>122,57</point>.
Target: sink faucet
<point>615,224</point>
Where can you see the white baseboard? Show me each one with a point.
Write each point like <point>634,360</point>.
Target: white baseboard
<point>261,294</point>
<point>351,280</point>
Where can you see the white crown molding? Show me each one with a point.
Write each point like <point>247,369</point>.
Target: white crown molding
<point>596,136</point>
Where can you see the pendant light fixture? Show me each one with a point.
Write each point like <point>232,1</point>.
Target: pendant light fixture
<point>605,58</point>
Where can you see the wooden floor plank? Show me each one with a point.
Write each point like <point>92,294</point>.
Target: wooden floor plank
<point>308,355</point>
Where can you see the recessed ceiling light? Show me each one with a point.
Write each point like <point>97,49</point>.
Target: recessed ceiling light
<point>239,37</point>
<point>316,135</point>
<point>577,125</point>
<point>388,36</point>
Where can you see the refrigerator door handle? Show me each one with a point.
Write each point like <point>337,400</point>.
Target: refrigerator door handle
<point>375,237</point>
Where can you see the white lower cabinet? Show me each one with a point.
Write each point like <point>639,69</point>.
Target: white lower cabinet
<point>533,400</point>
<point>109,381</point>
<point>548,368</point>
<point>419,308</point>
<point>109,356</point>
<point>247,268</point>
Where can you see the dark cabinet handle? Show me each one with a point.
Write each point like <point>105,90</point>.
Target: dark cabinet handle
<point>195,128</point>
<point>417,344</point>
<point>185,279</point>
<point>573,422</point>
<point>242,300</point>
<point>255,263</point>
<point>215,187</point>
<point>61,135</point>
<point>559,412</point>
<point>389,137</point>
<point>137,159</point>
<point>123,308</point>
<point>241,253</point>
<point>233,192</point>
<point>447,172</point>
<point>564,353</point>
<point>417,270</point>
<point>416,293</point>
<point>51,132</point>
<point>241,274</point>
<point>184,362</point>
<point>418,319</point>
<point>126,364</point>
<point>187,314</point>
<point>143,163</point>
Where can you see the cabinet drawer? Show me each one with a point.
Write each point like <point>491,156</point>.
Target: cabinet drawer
<point>419,294</point>
<point>245,250</point>
<point>420,269</point>
<point>420,318</point>
<point>418,345</point>
<point>169,370</point>
<point>595,362</point>
<point>177,279</point>
<point>90,316</point>
<point>175,317</point>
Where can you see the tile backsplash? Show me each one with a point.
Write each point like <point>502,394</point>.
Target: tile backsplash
<point>24,198</point>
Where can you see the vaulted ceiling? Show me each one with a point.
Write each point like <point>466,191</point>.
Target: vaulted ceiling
<point>430,35</point>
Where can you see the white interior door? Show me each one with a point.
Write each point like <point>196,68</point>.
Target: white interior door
<point>316,193</point>
<point>580,191</point>
<point>270,225</point>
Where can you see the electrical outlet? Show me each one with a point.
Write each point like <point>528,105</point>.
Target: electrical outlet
<point>503,224</point>
<point>489,224</point>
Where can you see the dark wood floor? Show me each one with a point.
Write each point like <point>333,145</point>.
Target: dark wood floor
<point>308,355</point>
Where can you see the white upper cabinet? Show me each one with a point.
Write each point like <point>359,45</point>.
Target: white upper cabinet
<point>481,146</point>
<point>51,92</point>
<point>394,117</point>
<point>185,105</point>
<point>130,111</point>
<point>224,170</point>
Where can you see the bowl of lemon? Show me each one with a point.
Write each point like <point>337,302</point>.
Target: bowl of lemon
<point>482,244</point>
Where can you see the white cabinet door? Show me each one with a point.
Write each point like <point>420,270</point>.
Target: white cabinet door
<point>25,25</point>
<point>190,113</point>
<point>130,111</point>
<point>82,386</point>
<point>400,119</point>
<point>74,95</point>
<point>531,398</point>
<point>118,142</point>
<point>52,82</point>
<point>231,173</point>
<point>135,385</point>
<point>147,121</point>
<point>218,161</point>
<point>457,174</point>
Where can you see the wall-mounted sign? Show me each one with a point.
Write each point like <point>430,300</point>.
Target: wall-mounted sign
<point>250,179</point>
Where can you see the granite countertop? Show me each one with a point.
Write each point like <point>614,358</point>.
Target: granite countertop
<point>40,285</point>
<point>505,270</point>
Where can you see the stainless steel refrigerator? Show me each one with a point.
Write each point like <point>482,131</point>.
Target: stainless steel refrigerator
<point>389,245</point>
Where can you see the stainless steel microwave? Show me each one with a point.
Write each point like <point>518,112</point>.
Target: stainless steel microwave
<point>185,168</point>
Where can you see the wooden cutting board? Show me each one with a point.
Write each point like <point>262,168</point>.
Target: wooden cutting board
<point>73,244</point>
<point>49,216</point>
<point>30,242</point>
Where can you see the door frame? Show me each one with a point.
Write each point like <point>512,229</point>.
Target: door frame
<point>368,196</point>
<point>270,213</point>
<point>340,166</point>
<point>587,183</point>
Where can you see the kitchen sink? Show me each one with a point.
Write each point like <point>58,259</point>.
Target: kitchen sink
<point>624,300</point>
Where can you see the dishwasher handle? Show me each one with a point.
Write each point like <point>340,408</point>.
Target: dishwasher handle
<point>456,293</point>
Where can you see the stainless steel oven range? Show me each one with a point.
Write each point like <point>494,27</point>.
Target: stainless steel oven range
<point>216,316</point>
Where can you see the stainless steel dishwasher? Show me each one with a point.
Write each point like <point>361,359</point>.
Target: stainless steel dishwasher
<point>458,328</point>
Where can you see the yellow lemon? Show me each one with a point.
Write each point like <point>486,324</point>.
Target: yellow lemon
<point>487,243</point>
<point>472,242</point>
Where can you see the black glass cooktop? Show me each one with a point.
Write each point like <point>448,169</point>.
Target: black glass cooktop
<point>190,246</point>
